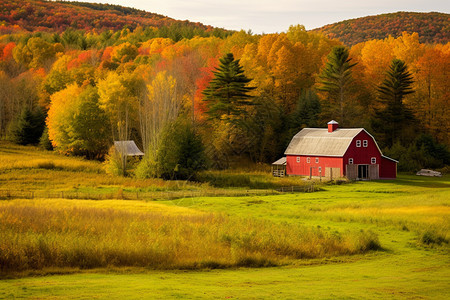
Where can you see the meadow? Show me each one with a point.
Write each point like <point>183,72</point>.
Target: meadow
<point>362,240</point>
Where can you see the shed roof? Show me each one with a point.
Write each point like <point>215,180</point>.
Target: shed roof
<point>281,161</point>
<point>320,142</point>
<point>128,148</point>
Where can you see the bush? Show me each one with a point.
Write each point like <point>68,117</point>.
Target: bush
<point>423,153</point>
<point>44,141</point>
<point>147,168</point>
<point>113,163</point>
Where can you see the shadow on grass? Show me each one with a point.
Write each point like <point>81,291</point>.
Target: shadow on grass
<point>421,181</point>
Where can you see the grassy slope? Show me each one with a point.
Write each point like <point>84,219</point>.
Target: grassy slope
<point>398,211</point>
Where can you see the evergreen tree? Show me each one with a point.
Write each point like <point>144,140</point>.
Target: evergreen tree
<point>227,94</point>
<point>394,119</point>
<point>28,127</point>
<point>181,153</point>
<point>307,111</point>
<point>335,81</point>
<point>180,156</point>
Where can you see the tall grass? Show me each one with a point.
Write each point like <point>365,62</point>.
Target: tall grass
<point>75,236</point>
<point>248,179</point>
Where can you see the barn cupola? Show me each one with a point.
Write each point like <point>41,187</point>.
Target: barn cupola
<point>332,125</point>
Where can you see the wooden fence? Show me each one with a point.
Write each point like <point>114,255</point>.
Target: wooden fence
<point>157,195</point>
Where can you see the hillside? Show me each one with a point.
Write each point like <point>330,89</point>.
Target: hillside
<point>51,16</point>
<point>432,27</point>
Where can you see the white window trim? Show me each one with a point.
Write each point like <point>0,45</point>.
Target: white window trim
<point>350,161</point>
<point>308,160</point>
<point>358,143</point>
<point>365,143</point>
<point>298,159</point>
<point>320,170</point>
<point>373,160</point>
<point>317,160</point>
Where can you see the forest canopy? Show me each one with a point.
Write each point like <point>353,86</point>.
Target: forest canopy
<point>138,82</point>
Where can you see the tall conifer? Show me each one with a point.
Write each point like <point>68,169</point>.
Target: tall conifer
<point>228,94</point>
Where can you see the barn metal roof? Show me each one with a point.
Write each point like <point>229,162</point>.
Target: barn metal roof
<point>129,148</point>
<point>320,142</point>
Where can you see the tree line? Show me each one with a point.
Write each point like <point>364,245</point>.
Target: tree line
<point>202,102</point>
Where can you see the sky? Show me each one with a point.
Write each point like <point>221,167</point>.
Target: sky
<point>270,16</point>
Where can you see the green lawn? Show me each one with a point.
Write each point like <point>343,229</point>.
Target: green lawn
<point>410,215</point>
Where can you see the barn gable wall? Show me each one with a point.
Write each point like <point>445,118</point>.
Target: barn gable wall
<point>362,155</point>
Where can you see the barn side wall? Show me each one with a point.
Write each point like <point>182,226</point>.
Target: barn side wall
<point>388,169</point>
<point>303,168</point>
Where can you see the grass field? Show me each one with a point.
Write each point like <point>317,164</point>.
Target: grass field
<point>408,217</point>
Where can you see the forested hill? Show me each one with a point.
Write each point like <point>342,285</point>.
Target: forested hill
<point>432,27</point>
<point>57,16</point>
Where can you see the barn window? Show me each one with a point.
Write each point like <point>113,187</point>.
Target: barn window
<point>308,160</point>
<point>298,159</point>
<point>373,160</point>
<point>358,143</point>
<point>350,161</point>
<point>365,143</point>
<point>320,170</point>
<point>317,160</point>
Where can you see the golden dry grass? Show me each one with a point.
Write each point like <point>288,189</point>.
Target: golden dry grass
<point>41,234</point>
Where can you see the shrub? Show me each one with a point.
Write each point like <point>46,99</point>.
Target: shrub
<point>418,155</point>
<point>113,163</point>
<point>44,141</point>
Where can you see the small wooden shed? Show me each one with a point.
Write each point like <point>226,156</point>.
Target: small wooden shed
<point>127,148</point>
<point>279,167</point>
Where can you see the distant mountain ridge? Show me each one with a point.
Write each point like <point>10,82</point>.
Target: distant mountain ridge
<point>433,27</point>
<point>57,16</point>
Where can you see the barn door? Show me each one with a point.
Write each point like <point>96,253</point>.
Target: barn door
<point>352,172</point>
<point>332,173</point>
<point>373,172</point>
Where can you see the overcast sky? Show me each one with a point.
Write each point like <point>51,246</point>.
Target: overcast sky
<point>269,16</point>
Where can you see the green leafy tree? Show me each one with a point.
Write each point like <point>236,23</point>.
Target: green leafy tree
<point>335,81</point>
<point>227,95</point>
<point>394,121</point>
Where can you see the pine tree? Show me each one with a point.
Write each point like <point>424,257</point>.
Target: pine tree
<point>394,120</point>
<point>227,94</point>
<point>28,127</point>
<point>335,81</point>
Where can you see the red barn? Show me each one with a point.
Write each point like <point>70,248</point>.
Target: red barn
<point>336,152</point>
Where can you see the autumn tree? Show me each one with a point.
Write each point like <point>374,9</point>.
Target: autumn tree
<point>227,95</point>
<point>35,53</point>
<point>119,94</point>
<point>335,81</point>
<point>158,109</point>
<point>394,120</point>
<point>76,124</point>
<point>431,101</point>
